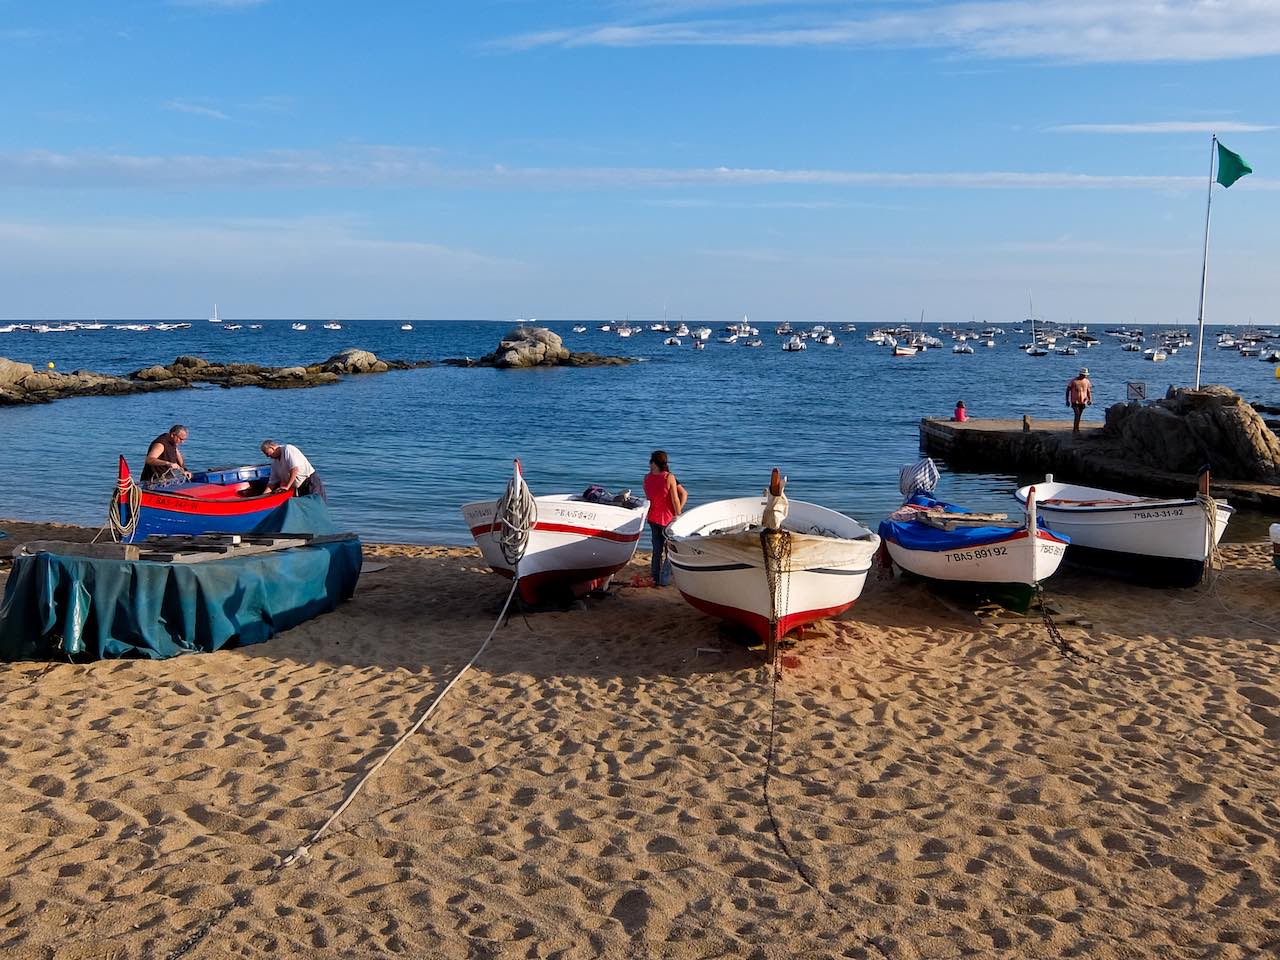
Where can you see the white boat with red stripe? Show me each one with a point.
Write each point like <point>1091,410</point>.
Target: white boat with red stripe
<point>770,564</point>
<point>574,545</point>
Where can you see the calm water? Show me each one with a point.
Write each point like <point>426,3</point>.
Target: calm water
<point>401,451</point>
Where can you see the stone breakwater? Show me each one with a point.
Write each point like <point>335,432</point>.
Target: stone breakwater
<point>524,347</point>
<point>20,383</point>
<point>1145,448</point>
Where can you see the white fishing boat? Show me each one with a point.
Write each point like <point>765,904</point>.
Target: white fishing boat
<point>1157,539</point>
<point>731,338</point>
<point>989,343</point>
<point>215,318</point>
<point>949,544</point>
<point>297,326</point>
<point>769,564</point>
<point>579,328</point>
<point>333,325</point>
<point>682,331</point>
<point>575,545</point>
<point>1155,354</point>
<point>701,333</point>
<point>793,344</point>
<point>229,326</point>
<point>406,326</point>
<point>753,342</point>
<point>1132,347</point>
<point>904,350</point>
<point>671,342</point>
<point>962,348</point>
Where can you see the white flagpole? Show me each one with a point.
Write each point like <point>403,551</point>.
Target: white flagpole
<point>1204,266</point>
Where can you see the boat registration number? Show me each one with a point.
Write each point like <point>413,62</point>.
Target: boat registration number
<point>979,553</point>
<point>1157,514</point>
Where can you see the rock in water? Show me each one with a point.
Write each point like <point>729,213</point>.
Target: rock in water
<point>12,372</point>
<point>354,360</point>
<point>530,347</point>
<point>1191,428</point>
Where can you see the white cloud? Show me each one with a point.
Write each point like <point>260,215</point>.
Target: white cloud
<point>183,106</point>
<point>1056,30</point>
<point>393,166</point>
<point>1164,126</point>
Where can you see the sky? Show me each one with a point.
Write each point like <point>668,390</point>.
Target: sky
<point>562,159</point>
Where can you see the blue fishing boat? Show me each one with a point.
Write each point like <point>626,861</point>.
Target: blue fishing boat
<point>222,500</point>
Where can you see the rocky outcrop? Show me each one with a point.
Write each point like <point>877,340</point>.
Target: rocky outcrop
<point>353,360</point>
<point>536,347</point>
<point>1191,428</point>
<point>20,383</point>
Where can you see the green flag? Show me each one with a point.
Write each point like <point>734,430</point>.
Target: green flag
<point>1231,166</point>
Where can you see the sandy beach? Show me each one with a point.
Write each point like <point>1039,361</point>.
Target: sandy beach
<point>941,785</point>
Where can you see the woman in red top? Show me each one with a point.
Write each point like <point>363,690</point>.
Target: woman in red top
<point>961,415</point>
<point>666,499</point>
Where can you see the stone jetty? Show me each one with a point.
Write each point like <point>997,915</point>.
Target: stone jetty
<point>1152,448</point>
<point>536,347</point>
<point>20,383</point>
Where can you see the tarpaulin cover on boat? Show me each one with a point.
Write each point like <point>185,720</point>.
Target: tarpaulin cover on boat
<point>298,515</point>
<point>57,606</point>
<point>915,535</point>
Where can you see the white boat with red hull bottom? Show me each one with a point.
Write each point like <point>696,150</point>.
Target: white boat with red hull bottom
<point>1158,540</point>
<point>769,564</point>
<point>574,546</point>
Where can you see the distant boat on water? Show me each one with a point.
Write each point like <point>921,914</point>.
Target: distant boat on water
<point>406,326</point>
<point>215,318</point>
<point>297,326</point>
<point>333,325</point>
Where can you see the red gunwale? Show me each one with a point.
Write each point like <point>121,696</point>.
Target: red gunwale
<point>219,508</point>
<point>567,528</point>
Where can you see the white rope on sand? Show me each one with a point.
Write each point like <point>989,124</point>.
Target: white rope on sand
<point>404,738</point>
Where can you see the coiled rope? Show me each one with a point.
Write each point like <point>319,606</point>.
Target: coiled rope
<point>131,493</point>
<point>515,515</point>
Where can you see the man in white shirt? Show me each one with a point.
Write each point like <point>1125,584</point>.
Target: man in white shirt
<point>290,470</point>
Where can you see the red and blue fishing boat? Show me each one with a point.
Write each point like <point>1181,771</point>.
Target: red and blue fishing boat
<point>221,500</point>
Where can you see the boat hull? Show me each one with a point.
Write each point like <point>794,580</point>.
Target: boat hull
<point>1017,559</point>
<point>1161,542</point>
<point>225,501</point>
<point>573,547</point>
<point>724,574</point>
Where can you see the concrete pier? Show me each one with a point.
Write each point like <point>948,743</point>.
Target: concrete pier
<point>1048,446</point>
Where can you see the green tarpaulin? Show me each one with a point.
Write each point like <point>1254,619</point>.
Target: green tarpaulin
<point>55,606</point>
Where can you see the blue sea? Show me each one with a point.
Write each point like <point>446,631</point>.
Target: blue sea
<point>401,452</point>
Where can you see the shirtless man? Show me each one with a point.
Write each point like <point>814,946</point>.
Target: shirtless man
<point>1079,396</point>
<point>163,455</point>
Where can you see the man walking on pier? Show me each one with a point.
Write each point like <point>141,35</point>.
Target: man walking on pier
<point>1079,396</point>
